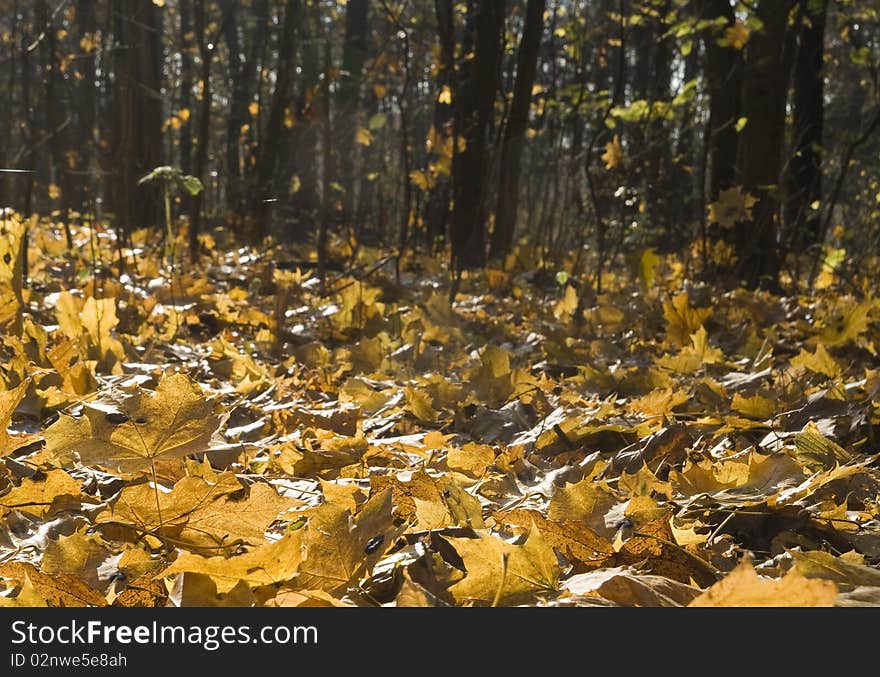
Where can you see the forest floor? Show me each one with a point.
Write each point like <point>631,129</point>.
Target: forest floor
<point>232,433</point>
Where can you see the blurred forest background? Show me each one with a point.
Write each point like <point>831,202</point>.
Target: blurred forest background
<point>568,133</point>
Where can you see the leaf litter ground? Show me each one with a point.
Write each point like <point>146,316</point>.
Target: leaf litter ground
<point>234,435</point>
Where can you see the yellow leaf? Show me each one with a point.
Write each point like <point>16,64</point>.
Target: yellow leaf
<point>659,402</point>
<point>40,496</point>
<point>567,305</point>
<point>253,108</point>
<point>819,362</point>
<point>586,502</point>
<point>500,573</point>
<point>9,401</point>
<point>341,548</point>
<point>174,421</point>
<point>682,320</point>
<point>737,35</point>
<point>848,325</point>
<point>266,565</point>
<point>472,459</point>
<point>613,155</point>
<point>364,136</point>
<point>817,452</point>
<point>27,596</point>
<point>703,351</point>
<point>733,205</point>
<point>54,192</point>
<point>742,587</point>
<point>445,95</point>
<point>421,179</point>
<point>380,91</point>
<point>295,185</point>
<point>88,43</point>
<point>757,407</point>
<point>419,404</point>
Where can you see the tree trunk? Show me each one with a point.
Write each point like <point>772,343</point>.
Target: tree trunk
<point>270,138</point>
<point>759,160</point>
<point>354,52</point>
<point>186,85</point>
<point>137,118</point>
<point>724,72</point>
<point>437,204</point>
<point>515,131</point>
<point>87,104</point>
<point>803,223</point>
<point>474,115</point>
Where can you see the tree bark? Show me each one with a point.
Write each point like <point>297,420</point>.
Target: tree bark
<point>724,72</point>
<point>515,130</point>
<point>803,223</point>
<point>354,52</point>
<point>137,119</point>
<point>474,115</point>
<point>270,138</point>
<point>759,157</point>
<point>437,204</point>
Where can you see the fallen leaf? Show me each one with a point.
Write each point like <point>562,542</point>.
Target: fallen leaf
<point>744,588</point>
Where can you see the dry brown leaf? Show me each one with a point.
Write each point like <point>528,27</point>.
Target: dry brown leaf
<point>743,587</point>
<point>504,574</point>
<point>174,421</point>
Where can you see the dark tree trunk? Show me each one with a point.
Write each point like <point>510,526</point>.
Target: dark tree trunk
<point>724,72</point>
<point>87,104</point>
<point>474,115</point>
<point>437,205</point>
<point>305,136</point>
<point>186,85</point>
<point>238,83</point>
<point>803,223</point>
<point>354,52</point>
<point>270,138</point>
<point>137,113</point>
<point>515,131</point>
<point>759,160</point>
<point>56,122</point>
<point>207,50</point>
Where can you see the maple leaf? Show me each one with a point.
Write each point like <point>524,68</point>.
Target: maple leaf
<point>500,573</point>
<point>174,421</point>
<point>340,548</point>
<point>682,320</point>
<point>9,401</point>
<point>732,206</point>
<point>743,587</point>
<point>267,564</point>
<point>737,35</point>
<point>613,155</point>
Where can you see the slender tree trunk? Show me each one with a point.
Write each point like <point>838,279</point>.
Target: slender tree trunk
<point>270,138</point>
<point>87,108</point>
<point>437,205</point>
<point>474,116</point>
<point>759,160</point>
<point>238,83</point>
<point>515,130</point>
<point>724,72</point>
<point>328,209</point>
<point>137,114</point>
<point>207,50</point>
<point>354,52</point>
<point>803,222</point>
<point>56,123</point>
<point>186,85</point>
